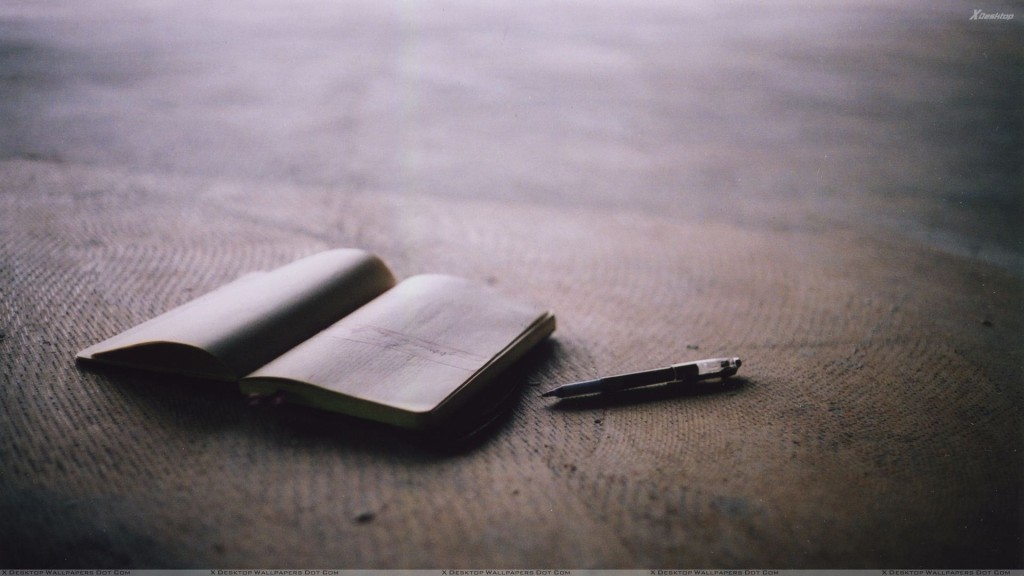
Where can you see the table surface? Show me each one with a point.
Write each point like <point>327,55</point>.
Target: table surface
<point>831,192</point>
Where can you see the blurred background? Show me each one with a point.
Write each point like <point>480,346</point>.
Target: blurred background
<point>910,113</point>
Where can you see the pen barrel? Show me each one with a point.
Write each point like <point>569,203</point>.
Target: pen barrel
<point>634,380</point>
<point>691,372</point>
<point>688,371</point>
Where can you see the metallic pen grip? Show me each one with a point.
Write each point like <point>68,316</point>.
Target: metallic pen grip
<point>710,368</point>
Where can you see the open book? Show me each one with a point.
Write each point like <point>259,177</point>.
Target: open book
<point>334,331</point>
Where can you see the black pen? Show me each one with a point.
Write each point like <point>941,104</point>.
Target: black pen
<point>688,372</point>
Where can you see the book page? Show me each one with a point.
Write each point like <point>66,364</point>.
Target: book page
<point>243,325</point>
<point>408,352</point>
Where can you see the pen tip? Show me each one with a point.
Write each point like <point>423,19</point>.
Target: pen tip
<point>547,394</point>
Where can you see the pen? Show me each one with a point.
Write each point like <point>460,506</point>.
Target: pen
<point>689,372</point>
